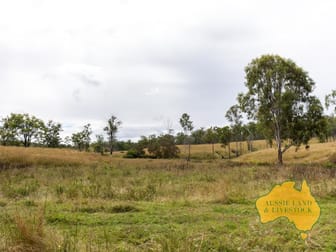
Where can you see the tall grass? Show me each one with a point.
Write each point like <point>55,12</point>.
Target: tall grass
<point>64,200</point>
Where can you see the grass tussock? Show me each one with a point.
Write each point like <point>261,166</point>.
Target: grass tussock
<point>26,232</point>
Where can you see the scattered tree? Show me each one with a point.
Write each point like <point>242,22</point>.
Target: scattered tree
<point>99,145</point>
<point>82,139</point>
<point>20,127</point>
<point>211,137</point>
<point>8,131</point>
<point>278,97</point>
<point>50,135</point>
<point>198,136</point>
<point>330,99</point>
<point>234,116</point>
<point>111,129</point>
<point>225,136</point>
<point>187,126</point>
<point>162,146</point>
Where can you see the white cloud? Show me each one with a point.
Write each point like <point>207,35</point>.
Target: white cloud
<point>81,61</point>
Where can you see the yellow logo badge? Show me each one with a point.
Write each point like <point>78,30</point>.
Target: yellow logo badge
<point>284,200</point>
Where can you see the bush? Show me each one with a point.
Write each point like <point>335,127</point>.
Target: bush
<point>133,153</point>
<point>163,146</point>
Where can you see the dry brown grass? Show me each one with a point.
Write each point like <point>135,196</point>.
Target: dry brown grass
<point>19,157</point>
<point>99,194</point>
<point>317,153</point>
<point>29,233</point>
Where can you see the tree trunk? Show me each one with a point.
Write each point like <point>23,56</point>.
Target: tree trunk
<point>229,151</point>
<point>280,156</point>
<point>278,140</point>
<point>213,150</point>
<point>111,143</point>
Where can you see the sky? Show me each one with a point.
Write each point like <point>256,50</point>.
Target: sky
<point>148,62</point>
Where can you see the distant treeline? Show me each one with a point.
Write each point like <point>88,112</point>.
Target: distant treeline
<point>28,130</point>
<point>278,104</point>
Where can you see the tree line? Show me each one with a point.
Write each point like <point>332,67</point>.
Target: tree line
<point>277,106</point>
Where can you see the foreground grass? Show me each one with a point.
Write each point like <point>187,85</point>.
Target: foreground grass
<point>68,201</point>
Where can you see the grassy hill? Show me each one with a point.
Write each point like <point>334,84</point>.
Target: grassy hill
<point>318,153</point>
<point>65,200</point>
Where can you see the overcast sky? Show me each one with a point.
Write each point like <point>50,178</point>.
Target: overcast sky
<point>149,61</point>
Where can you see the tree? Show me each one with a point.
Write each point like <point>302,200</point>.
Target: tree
<point>99,145</point>
<point>29,127</point>
<point>8,131</point>
<point>234,116</point>
<point>180,138</point>
<point>20,127</point>
<point>331,128</point>
<point>187,126</point>
<point>137,150</point>
<point>224,137</point>
<point>279,98</point>
<point>111,129</point>
<point>198,136</point>
<point>162,146</point>
<point>77,141</point>
<point>82,139</point>
<point>211,137</point>
<point>51,134</point>
<point>86,136</point>
<point>251,133</point>
<point>330,99</point>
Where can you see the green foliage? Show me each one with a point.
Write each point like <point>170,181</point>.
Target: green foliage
<point>50,135</point>
<point>330,99</point>
<point>211,136</point>
<point>187,126</point>
<point>180,138</point>
<point>81,140</point>
<point>186,123</point>
<point>162,146</point>
<point>8,131</point>
<point>22,128</point>
<point>111,129</point>
<point>99,145</point>
<point>124,145</point>
<point>234,116</point>
<point>224,135</point>
<point>137,150</point>
<point>331,127</point>
<point>198,136</point>
<point>278,97</point>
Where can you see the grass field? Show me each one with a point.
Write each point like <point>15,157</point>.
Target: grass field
<point>64,200</point>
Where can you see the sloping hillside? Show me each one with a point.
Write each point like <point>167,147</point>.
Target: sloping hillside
<point>317,153</point>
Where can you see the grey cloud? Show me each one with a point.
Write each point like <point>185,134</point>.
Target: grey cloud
<point>190,59</point>
<point>88,80</point>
